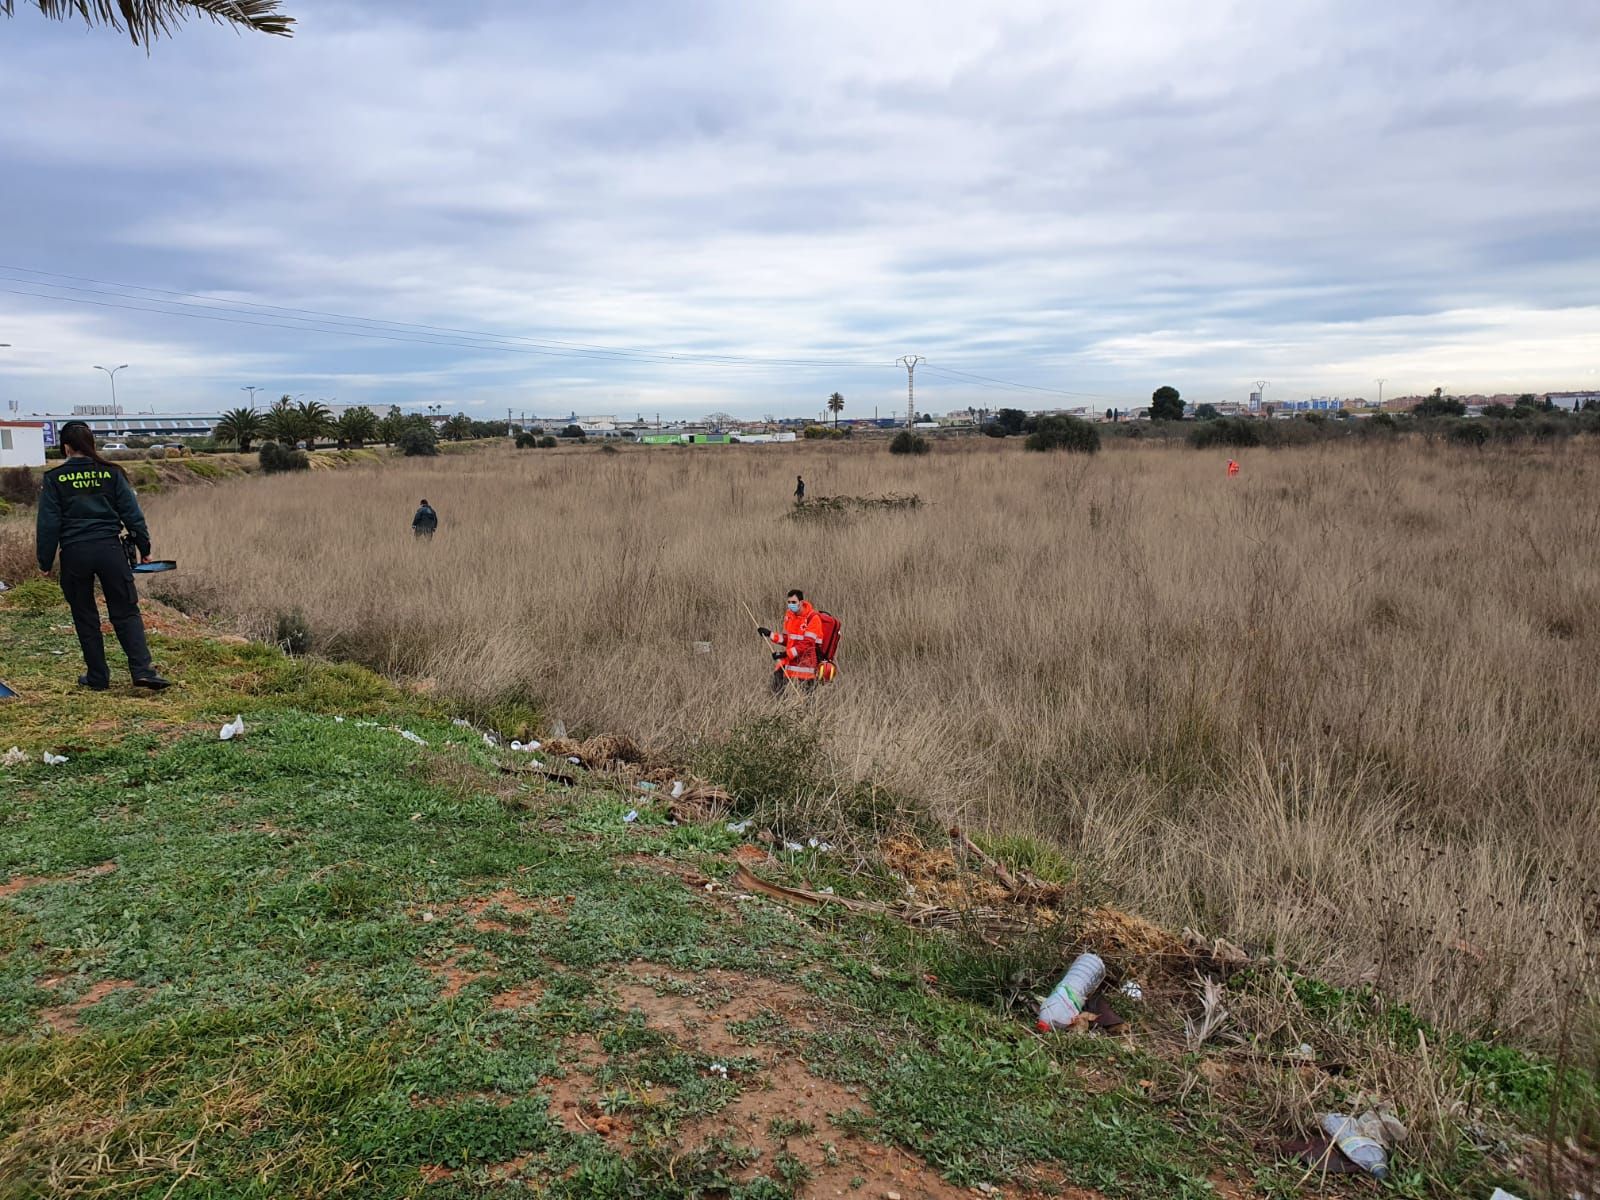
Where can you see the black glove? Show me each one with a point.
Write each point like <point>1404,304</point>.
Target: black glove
<point>763,631</point>
<point>776,655</point>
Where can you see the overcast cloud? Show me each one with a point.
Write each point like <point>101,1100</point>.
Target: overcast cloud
<point>1096,198</point>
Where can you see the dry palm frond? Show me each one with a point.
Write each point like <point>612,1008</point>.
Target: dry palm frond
<point>1197,1030</point>
<point>147,20</point>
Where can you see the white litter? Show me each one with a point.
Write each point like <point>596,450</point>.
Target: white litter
<point>232,729</point>
<point>3,587</point>
<point>461,723</point>
<point>54,760</point>
<point>411,737</point>
<point>633,815</point>
<point>416,816</point>
<point>427,916</point>
<point>738,826</point>
<point>702,647</point>
<point>338,720</point>
<point>820,847</point>
<point>575,760</point>
<point>677,789</point>
<point>793,846</point>
<point>646,786</point>
<point>487,740</point>
<point>718,1069</point>
<point>1502,1194</point>
<point>1132,990</point>
<point>14,756</point>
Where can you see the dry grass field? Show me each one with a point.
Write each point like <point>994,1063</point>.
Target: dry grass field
<point>1344,705</point>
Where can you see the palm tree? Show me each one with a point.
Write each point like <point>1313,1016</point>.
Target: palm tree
<point>458,427</point>
<point>836,406</point>
<point>147,20</point>
<point>281,423</point>
<point>313,421</point>
<point>391,426</point>
<point>240,426</point>
<point>357,426</point>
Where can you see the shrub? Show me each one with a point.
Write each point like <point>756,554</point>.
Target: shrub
<point>1064,433</point>
<point>608,448</point>
<point>906,442</point>
<point>526,441</point>
<point>291,631</point>
<point>1469,433</point>
<point>994,429</point>
<point>575,432</point>
<point>547,442</point>
<point>19,486</point>
<point>1226,431</point>
<point>275,458</point>
<point>35,595</point>
<point>417,440</point>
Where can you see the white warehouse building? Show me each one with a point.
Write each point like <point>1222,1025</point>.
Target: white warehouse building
<point>21,443</point>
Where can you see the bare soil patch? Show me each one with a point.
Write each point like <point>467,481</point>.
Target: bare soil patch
<point>21,882</point>
<point>64,1018</point>
<point>782,1107</point>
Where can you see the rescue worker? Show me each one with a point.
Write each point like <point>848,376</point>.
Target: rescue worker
<point>425,522</point>
<point>1233,468</point>
<point>800,639</point>
<point>799,490</point>
<point>84,506</point>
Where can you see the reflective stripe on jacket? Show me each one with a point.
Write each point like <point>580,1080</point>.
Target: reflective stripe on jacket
<point>801,638</point>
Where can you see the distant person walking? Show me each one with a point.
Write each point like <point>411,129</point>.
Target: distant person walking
<point>1233,468</point>
<point>425,522</point>
<point>84,506</point>
<point>799,490</point>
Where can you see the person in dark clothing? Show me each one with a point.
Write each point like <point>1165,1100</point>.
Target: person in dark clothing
<point>799,489</point>
<point>425,522</point>
<point>83,507</point>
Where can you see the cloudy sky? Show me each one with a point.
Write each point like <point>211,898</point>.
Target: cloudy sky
<point>697,205</point>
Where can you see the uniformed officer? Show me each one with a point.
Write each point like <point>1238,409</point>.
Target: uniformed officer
<point>83,508</point>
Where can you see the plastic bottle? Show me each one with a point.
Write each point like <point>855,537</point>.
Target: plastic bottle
<point>1085,974</point>
<point>1367,1153</point>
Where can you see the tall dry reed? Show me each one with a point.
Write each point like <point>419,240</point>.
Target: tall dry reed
<point>1343,705</point>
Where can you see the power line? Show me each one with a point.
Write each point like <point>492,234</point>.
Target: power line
<point>1008,383</point>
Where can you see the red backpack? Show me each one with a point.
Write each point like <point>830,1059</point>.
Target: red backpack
<point>829,647</point>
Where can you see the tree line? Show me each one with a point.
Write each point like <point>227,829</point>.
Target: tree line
<point>303,425</point>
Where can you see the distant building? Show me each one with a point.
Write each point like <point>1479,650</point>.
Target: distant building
<point>22,443</point>
<point>136,425</point>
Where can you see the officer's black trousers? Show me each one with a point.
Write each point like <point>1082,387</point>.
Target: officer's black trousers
<point>81,564</point>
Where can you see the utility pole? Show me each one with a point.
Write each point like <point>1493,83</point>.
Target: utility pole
<point>1381,382</point>
<point>909,362</point>
<point>1261,394</point>
<point>509,431</point>
<point>112,373</point>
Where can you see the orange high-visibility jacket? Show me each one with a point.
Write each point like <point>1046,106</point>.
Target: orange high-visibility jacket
<point>801,638</point>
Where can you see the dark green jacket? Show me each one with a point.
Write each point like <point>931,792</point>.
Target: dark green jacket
<point>85,502</point>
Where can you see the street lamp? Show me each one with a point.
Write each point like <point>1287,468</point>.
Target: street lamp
<point>252,389</point>
<point>111,373</point>
<point>1381,382</point>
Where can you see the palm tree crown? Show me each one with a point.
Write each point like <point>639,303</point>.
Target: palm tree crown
<point>147,20</point>
<point>240,426</point>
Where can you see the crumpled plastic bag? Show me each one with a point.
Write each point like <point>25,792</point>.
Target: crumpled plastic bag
<point>232,729</point>
<point>54,760</point>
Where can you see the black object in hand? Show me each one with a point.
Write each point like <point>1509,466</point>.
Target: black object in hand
<point>776,655</point>
<point>763,631</point>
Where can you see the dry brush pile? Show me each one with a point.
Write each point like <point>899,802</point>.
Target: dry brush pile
<point>1343,706</point>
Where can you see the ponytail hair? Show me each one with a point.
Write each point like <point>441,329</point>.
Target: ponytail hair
<point>77,436</point>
